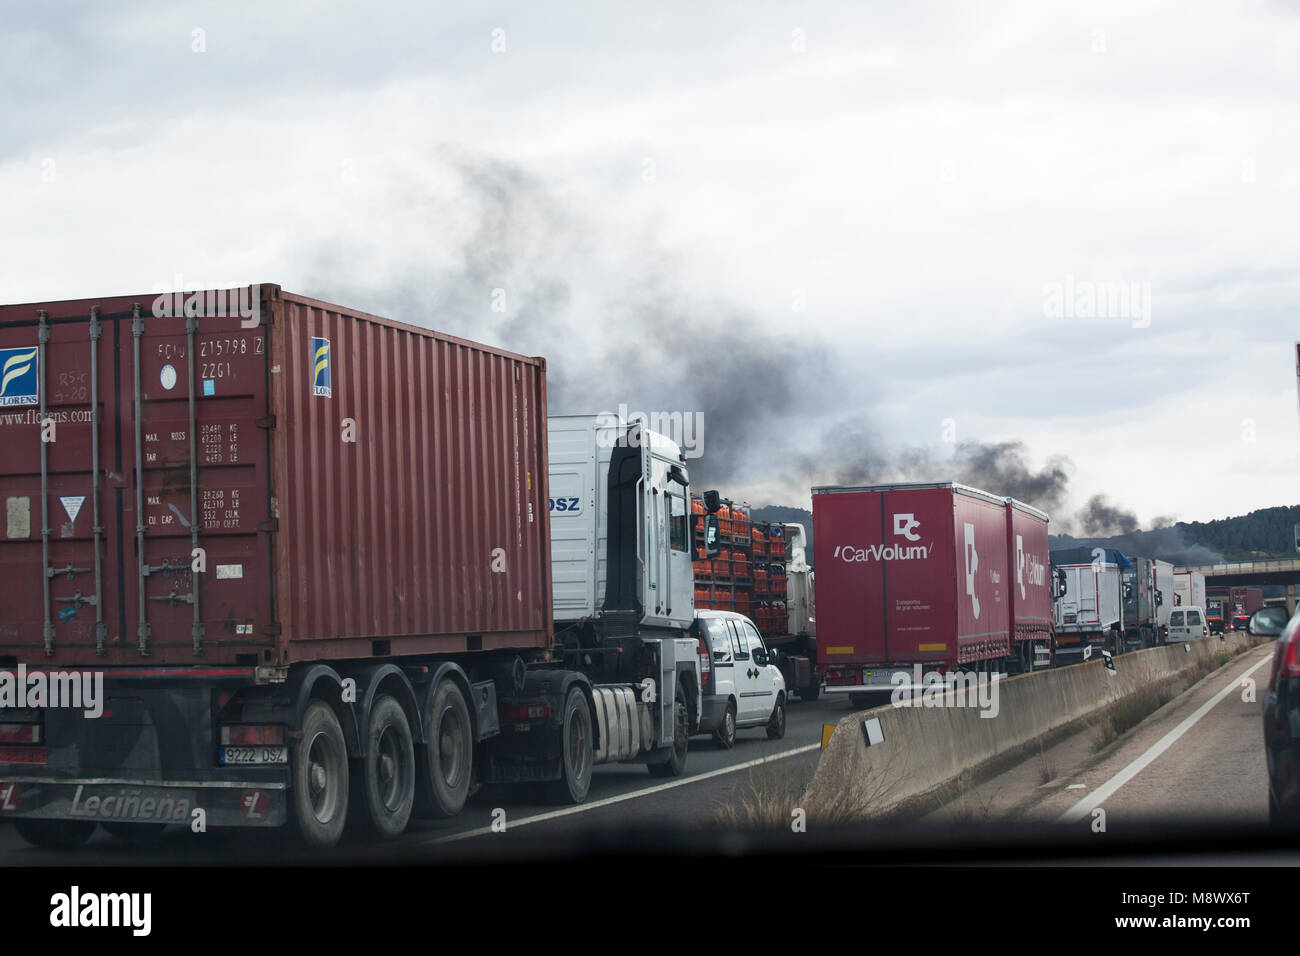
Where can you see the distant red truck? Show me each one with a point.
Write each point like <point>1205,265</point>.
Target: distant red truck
<point>938,575</point>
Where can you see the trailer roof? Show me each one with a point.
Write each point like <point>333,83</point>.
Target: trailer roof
<point>954,486</point>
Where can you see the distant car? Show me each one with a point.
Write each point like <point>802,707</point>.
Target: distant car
<point>1186,623</point>
<point>1240,622</point>
<point>743,687</point>
<point>1281,713</point>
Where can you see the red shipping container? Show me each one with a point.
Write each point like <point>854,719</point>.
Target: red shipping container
<point>1031,585</point>
<point>363,488</point>
<point>910,573</point>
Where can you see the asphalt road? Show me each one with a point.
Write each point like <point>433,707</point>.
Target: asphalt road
<point>1198,759</point>
<point>622,796</point>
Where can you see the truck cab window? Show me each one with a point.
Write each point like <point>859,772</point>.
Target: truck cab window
<point>677,527</point>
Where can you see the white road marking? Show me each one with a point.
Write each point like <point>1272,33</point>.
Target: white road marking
<point>632,795</point>
<point>1085,806</point>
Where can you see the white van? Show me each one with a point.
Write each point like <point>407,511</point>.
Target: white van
<point>1186,623</point>
<point>742,685</point>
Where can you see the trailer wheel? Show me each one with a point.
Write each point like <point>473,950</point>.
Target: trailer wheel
<point>55,834</point>
<point>861,701</point>
<point>320,777</point>
<point>450,750</point>
<point>725,735</point>
<point>675,765</point>
<point>576,755</point>
<point>812,691</point>
<point>135,832</point>
<point>389,776</point>
<point>776,725</point>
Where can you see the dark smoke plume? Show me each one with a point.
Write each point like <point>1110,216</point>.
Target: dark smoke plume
<point>1100,518</point>
<point>615,331</point>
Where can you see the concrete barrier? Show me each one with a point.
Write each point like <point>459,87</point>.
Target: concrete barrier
<point>927,749</point>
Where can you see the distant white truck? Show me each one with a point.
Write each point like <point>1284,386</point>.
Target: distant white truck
<point>1164,594</point>
<point>1090,608</point>
<point>1189,589</point>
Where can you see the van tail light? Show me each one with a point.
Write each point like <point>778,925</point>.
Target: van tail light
<point>706,663</point>
<point>1205,631</point>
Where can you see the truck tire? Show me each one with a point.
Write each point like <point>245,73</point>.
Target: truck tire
<point>860,701</point>
<point>389,776</point>
<point>675,765</point>
<point>135,832</point>
<point>725,734</point>
<point>812,691</point>
<point>55,834</point>
<point>776,724</point>
<point>576,751</point>
<point>319,768</point>
<point>450,750</point>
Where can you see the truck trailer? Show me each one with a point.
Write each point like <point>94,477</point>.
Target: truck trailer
<point>1189,589</point>
<point>307,551</point>
<point>915,579</point>
<point>762,571</point>
<point>1164,571</point>
<point>1090,607</point>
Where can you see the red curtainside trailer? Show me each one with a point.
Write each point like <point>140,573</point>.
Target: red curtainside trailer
<point>910,576</point>
<point>1031,586</point>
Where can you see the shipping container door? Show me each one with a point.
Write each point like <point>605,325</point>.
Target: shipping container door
<point>60,480</point>
<point>199,577</point>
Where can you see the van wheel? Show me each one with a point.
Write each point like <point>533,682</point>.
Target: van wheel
<point>55,834</point>
<point>389,777</point>
<point>320,777</point>
<point>725,735</point>
<point>776,725</point>
<point>135,832</point>
<point>450,750</point>
<point>576,751</point>
<point>675,766</point>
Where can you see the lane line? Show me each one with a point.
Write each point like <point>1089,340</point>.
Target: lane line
<point>1094,799</point>
<point>619,798</point>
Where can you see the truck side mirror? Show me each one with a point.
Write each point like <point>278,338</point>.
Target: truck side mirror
<point>1160,598</point>
<point>712,501</point>
<point>712,547</point>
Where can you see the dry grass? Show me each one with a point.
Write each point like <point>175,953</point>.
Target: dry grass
<point>770,793</point>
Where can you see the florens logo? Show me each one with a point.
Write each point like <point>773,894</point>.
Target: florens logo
<point>321,372</point>
<point>18,376</point>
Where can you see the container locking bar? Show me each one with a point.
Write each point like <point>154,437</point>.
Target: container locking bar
<point>42,340</point>
<point>142,626</point>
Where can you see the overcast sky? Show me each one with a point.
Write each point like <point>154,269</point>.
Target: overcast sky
<point>805,220</point>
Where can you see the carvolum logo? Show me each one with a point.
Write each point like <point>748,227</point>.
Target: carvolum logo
<point>903,525</point>
<point>18,376</point>
<point>1030,563</point>
<point>882,552</point>
<point>972,565</point>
